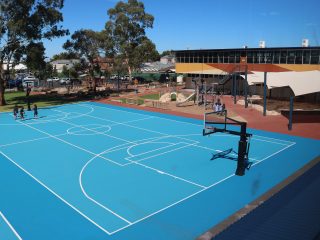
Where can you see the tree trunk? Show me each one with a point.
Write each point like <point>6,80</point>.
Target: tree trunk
<point>94,85</point>
<point>2,99</point>
<point>93,79</point>
<point>130,73</point>
<point>2,87</point>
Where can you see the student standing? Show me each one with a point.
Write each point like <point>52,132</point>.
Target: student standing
<point>35,111</point>
<point>22,113</point>
<point>15,112</point>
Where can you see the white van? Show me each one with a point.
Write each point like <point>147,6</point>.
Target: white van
<point>28,83</point>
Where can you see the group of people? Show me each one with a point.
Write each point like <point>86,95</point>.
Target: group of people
<point>219,107</point>
<point>21,113</point>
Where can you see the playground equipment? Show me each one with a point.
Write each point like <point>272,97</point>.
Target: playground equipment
<point>206,93</point>
<point>184,102</point>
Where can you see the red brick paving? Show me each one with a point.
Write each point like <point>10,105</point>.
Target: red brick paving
<point>272,123</point>
<point>254,118</point>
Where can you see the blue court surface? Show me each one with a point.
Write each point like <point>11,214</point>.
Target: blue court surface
<point>95,171</point>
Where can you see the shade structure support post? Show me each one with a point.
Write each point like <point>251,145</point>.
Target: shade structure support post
<point>246,88</point>
<point>265,94</point>
<point>290,113</point>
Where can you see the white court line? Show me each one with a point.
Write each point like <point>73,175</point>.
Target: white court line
<point>181,199</point>
<point>153,150</point>
<point>176,202</point>
<point>217,150</point>
<point>277,139</point>
<point>158,171</point>
<point>196,193</point>
<point>165,152</point>
<point>165,173</point>
<point>55,194</point>
<point>105,129</point>
<point>254,138</point>
<point>142,114</point>
<point>137,120</point>
<point>93,200</point>
<point>173,204</point>
<point>43,121</point>
<point>115,123</point>
<point>99,133</point>
<point>42,138</point>
<point>200,125</point>
<point>273,142</point>
<point>145,166</point>
<point>71,144</point>
<point>126,145</point>
<point>273,154</point>
<point>144,129</point>
<point>10,226</point>
<point>26,141</point>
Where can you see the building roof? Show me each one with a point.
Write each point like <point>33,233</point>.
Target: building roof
<point>157,67</point>
<point>19,66</point>
<point>168,57</point>
<point>248,49</point>
<point>301,83</point>
<point>65,61</point>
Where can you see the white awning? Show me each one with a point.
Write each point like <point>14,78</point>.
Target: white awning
<point>301,83</point>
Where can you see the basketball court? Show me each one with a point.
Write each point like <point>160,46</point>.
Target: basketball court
<point>96,171</point>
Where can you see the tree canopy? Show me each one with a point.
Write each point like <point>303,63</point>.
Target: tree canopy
<point>126,28</point>
<point>166,52</point>
<point>86,43</point>
<point>90,45</point>
<point>35,56</point>
<point>25,22</point>
<point>65,55</point>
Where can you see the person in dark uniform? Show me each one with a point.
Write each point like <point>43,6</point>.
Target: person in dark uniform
<point>22,113</point>
<point>35,111</point>
<point>15,111</point>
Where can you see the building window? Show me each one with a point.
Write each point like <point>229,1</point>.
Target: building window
<point>283,58</point>
<point>232,57</point>
<point>276,57</point>
<point>306,57</point>
<point>291,57</point>
<point>260,58</point>
<point>298,57</point>
<point>237,57</point>
<point>315,55</point>
<point>249,57</point>
<point>268,57</point>
<point>187,58</point>
<point>225,57</point>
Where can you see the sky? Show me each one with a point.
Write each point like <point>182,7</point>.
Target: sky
<point>207,24</point>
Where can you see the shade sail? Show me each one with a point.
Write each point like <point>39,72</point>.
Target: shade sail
<point>301,83</point>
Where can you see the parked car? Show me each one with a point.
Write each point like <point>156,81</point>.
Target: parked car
<point>75,81</point>
<point>30,78</point>
<point>54,79</point>
<point>113,76</point>
<point>141,80</point>
<point>65,81</point>
<point>28,83</point>
<point>12,83</point>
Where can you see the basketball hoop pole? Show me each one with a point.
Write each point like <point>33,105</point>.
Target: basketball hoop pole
<point>243,147</point>
<point>242,151</point>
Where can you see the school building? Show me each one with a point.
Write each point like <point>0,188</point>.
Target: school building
<point>290,71</point>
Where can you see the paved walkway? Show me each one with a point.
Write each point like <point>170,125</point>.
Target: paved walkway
<point>254,118</point>
<point>276,123</point>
